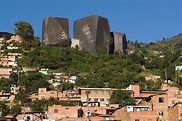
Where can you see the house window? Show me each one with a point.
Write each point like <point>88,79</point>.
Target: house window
<point>173,101</point>
<point>95,92</point>
<point>101,92</point>
<point>108,92</point>
<point>130,93</point>
<point>137,120</point>
<point>161,99</point>
<point>101,99</point>
<point>73,95</point>
<point>55,110</point>
<point>42,97</point>
<point>87,92</point>
<point>42,90</point>
<point>95,99</point>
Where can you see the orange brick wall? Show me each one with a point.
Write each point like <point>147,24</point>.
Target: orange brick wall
<point>163,106</point>
<point>136,90</point>
<point>62,111</point>
<point>175,113</point>
<point>143,116</point>
<point>43,93</point>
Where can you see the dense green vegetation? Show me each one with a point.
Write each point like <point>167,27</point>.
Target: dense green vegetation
<point>24,29</point>
<point>121,97</point>
<point>102,70</point>
<point>42,105</point>
<point>5,109</point>
<point>93,71</point>
<point>160,58</point>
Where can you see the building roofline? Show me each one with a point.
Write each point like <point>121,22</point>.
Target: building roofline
<point>153,91</point>
<point>103,89</point>
<point>175,105</point>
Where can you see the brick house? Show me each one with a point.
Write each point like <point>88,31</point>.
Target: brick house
<point>10,59</point>
<point>164,104</point>
<point>5,72</point>
<point>65,113</point>
<point>60,76</point>
<point>160,105</point>
<point>58,112</point>
<point>101,95</point>
<point>44,94</point>
<point>175,112</point>
<point>65,95</point>
<point>7,96</point>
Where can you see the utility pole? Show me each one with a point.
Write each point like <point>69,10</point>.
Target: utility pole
<point>18,75</point>
<point>165,74</point>
<point>57,91</point>
<point>88,113</point>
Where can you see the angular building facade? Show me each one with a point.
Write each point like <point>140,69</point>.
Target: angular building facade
<point>119,43</point>
<point>55,32</point>
<point>93,33</point>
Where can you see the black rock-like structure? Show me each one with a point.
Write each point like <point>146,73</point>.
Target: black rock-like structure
<point>55,32</point>
<point>119,43</point>
<point>93,33</point>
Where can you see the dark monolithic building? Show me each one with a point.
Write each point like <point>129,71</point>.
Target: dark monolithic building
<point>119,43</point>
<point>93,33</point>
<point>55,32</point>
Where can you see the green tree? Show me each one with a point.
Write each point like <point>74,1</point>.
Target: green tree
<point>14,77</point>
<point>38,105</point>
<point>121,97</point>
<point>24,29</point>
<point>15,109</point>
<point>5,84</point>
<point>4,108</point>
<point>22,96</point>
<point>42,105</point>
<point>137,45</point>
<point>66,86</point>
<point>34,80</point>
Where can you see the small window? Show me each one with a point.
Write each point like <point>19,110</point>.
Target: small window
<point>72,95</point>
<point>161,99</point>
<point>137,120</point>
<point>87,92</point>
<point>101,99</point>
<point>95,99</point>
<point>55,110</point>
<point>95,92</point>
<point>108,92</point>
<point>42,97</point>
<point>101,92</point>
<point>42,90</point>
<point>173,101</point>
